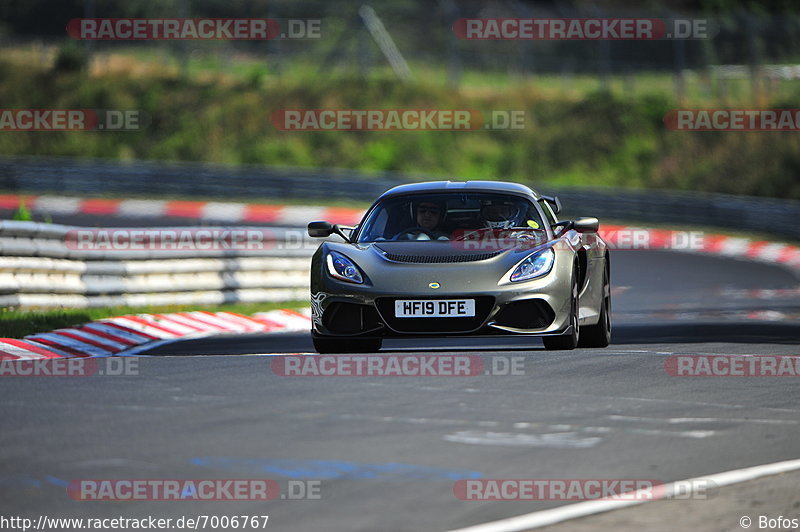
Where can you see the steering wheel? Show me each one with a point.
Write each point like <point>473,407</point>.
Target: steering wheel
<point>414,230</point>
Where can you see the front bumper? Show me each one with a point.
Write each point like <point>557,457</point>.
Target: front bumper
<point>538,308</point>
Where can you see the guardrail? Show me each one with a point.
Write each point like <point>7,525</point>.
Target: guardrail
<point>182,179</point>
<point>49,265</point>
<point>39,267</point>
<point>90,177</point>
<point>737,213</point>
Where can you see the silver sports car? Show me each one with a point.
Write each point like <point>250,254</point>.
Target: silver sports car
<point>473,258</point>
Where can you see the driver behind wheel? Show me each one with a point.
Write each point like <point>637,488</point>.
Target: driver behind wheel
<point>429,216</point>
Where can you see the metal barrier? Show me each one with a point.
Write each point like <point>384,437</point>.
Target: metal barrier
<point>736,213</point>
<point>39,268</point>
<point>155,179</point>
<point>192,180</point>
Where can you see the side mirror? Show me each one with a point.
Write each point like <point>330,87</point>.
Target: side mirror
<point>320,229</point>
<point>325,229</point>
<point>586,225</point>
<point>554,202</point>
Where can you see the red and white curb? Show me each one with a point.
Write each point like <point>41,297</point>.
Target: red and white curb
<point>224,212</point>
<point>619,237</point>
<point>627,237</point>
<point>130,334</point>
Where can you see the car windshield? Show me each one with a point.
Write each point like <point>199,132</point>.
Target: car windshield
<point>451,216</point>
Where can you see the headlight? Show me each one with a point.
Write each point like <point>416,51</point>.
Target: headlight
<point>535,265</point>
<point>343,268</point>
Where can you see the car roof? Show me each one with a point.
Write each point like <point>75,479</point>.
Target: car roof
<point>462,186</point>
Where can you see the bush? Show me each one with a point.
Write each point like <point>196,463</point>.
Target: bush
<point>601,139</point>
<point>22,214</point>
<point>72,57</point>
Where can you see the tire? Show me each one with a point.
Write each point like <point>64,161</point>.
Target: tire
<point>567,341</point>
<point>600,335</point>
<point>347,345</point>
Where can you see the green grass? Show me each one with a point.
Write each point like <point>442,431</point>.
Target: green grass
<point>576,132</point>
<point>214,63</point>
<point>19,323</point>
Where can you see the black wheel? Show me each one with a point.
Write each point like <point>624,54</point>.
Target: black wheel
<point>600,335</point>
<point>347,345</point>
<point>567,341</point>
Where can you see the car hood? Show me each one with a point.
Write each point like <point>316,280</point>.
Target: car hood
<point>407,267</point>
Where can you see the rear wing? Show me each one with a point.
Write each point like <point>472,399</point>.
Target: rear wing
<point>554,203</point>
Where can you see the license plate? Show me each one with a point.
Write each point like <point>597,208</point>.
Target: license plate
<point>434,308</point>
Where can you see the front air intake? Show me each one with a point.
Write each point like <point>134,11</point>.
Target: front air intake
<point>525,314</point>
<point>441,259</point>
<point>350,318</point>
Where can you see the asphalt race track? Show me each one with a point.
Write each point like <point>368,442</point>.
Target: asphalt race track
<point>386,451</point>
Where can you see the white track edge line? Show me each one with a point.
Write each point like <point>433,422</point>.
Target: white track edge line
<point>583,509</point>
